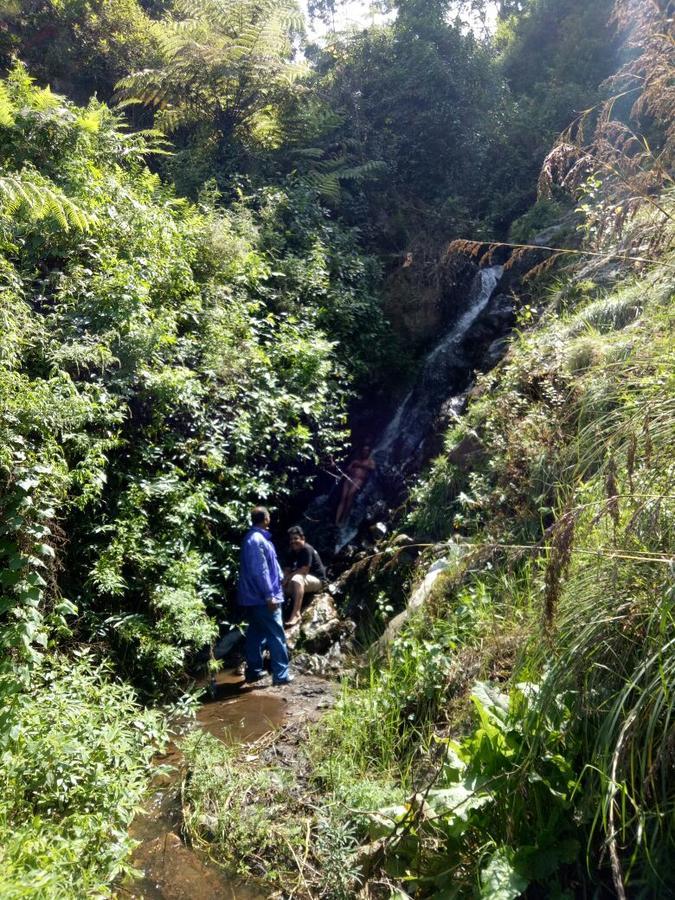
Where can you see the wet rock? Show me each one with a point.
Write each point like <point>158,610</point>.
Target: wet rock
<point>413,304</point>
<point>453,408</point>
<point>467,453</point>
<point>318,633</point>
<point>378,531</point>
<point>208,825</point>
<point>427,293</point>
<point>322,664</point>
<point>321,625</point>
<point>494,323</point>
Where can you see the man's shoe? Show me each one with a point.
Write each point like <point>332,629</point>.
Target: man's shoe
<point>286,680</point>
<point>261,681</point>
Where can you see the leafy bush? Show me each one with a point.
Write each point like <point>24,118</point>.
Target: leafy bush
<point>505,781</point>
<point>74,769</point>
<point>163,366</point>
<point>81,47</point>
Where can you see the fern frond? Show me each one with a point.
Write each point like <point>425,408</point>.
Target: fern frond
<point>373,168</point>
<point>6,107</point>
<point>327,185</point>
<point>27,195</point>
<point>224,61</point>
<point>310,153</point>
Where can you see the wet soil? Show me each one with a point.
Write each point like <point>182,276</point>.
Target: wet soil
<point>238,715</point>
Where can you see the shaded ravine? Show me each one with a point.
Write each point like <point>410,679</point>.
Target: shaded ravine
<point>174,871</point>
<point>445,376</point>
<point>171,869</point>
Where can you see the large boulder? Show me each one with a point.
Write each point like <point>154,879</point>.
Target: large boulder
<point>320,626</point>
<point>427,293</point>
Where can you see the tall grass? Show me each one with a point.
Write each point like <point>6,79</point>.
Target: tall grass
<point>76,764</point>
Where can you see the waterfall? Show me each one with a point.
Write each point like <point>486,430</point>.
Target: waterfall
<point>408,427</point>
<point>443,380</point>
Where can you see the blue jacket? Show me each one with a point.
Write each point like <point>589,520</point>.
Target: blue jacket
<point>259,570</point>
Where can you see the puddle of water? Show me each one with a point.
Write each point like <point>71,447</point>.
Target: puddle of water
<point>244,718</point>
<point>173,871</point>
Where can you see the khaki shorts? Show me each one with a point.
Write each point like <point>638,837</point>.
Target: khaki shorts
<point>311,583</point>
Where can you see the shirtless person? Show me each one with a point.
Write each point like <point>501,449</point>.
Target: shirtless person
<point>358,472</point>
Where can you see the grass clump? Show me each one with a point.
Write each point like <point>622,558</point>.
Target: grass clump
<point>263,821</point>
<point>241,805</point>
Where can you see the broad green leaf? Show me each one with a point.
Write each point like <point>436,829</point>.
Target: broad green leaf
<point>500,880</point>
<point>492,704</point>
<point>457,801</point>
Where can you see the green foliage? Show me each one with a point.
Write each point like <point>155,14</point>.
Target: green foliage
<point>492,784</point>
<point>165,364</point>
<point>28,195</point>
<point>262,821</point>
<point>251,825</point>
<point>80,47</point>
<point>554,55</point>
<point>224,70</point>
<point>162,367</point>
<point>383,721</point>
<point>74,769</point>
<point>417,131</point>
<point>417,97</point>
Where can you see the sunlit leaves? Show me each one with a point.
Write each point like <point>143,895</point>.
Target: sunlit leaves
<point>28,195</point>
<point>225,64</point>
<point>167,370</point>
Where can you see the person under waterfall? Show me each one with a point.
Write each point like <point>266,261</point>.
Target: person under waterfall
<point>358,472</point>
<point>304,574</point>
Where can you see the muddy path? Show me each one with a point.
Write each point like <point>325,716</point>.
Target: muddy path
<point>238,715</point>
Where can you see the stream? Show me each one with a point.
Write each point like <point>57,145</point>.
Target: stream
<point>171,869</point>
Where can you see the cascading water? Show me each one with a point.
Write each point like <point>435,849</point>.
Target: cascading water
<point>443,369</point>
<point>443,380</point>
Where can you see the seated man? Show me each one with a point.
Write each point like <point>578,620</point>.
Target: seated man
<point>304,574</point>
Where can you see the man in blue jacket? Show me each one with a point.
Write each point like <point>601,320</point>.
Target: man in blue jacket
<point>261,596</point>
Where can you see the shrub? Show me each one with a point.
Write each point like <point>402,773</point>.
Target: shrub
<point>163,367</point>
<point>74,769</point>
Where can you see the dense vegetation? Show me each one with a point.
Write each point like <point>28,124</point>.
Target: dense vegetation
<point>193,249</point>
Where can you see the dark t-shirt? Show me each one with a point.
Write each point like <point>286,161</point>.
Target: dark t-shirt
<point>307,556</point>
